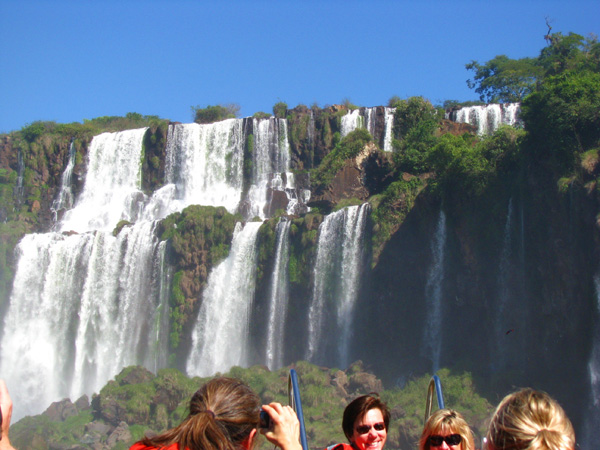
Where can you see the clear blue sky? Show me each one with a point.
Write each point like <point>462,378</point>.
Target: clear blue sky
<point>72,60</point>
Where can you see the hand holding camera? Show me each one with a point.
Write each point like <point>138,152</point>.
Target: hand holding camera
<point>282,427</point>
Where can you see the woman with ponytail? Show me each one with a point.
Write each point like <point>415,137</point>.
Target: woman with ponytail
<point>225,415</point>
<point>530,420</point>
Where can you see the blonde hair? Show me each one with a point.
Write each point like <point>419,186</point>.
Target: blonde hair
<point>447,420</point>
<point>530,420</point>
<point>223,412</point>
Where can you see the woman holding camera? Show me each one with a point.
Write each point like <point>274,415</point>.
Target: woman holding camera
<point>225,415</point>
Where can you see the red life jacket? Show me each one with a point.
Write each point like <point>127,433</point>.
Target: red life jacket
<point>341,447</point>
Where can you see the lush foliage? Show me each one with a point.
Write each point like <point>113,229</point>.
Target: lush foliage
<point>563,116</point>
<point>157,402</point>
<point>503,79</point>
<point>215,113</point>
<point>415,122</point>
<point>280,110</point>
<point>390,209</point>
<point>349,147</point>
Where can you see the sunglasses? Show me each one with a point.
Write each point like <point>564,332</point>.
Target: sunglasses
<point>364,429</point>
<point>436,440</point>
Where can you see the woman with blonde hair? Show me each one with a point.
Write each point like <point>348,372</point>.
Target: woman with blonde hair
<point>225,415</point>
<point>446,429</point>
<point>530,420</point>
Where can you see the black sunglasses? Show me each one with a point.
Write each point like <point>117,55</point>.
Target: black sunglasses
<point>364,429</point>
<point>436,440</point>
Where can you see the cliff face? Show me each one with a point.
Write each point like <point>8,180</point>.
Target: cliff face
<point>515,264</point>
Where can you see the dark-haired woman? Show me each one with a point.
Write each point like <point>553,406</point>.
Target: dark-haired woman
<point>225,415</point>
<point>365,424</point>
<point>446,429</point>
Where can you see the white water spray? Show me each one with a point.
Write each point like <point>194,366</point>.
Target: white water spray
<point>433,294</point>
<point>220,336</point>
<point>279,297</point>
<point>336,283</point>
<point>487,118</point>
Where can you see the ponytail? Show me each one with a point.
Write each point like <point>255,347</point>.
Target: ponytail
<point>223,412</point>
<point>530,420</point>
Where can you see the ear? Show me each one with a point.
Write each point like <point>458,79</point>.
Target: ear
<point>249,441</point>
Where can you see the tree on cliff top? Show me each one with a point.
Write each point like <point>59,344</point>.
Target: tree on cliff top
<point>215,113</point>
<point>503,79</point>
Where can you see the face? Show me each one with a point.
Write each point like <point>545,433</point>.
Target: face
<point>372,439</point>
<point>444,445</point>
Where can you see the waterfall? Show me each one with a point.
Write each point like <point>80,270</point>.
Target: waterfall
<point>278,297</point>
<point>433,294</point>
<point>64,200</point>
<point>504,295</point>
<point>82,307</point>
<point>270,158</point>
<point>351,121</point>
<point>487,118</point>
<point>220,336</point>
<point>85,305</point>
<point>204,166</point>
<point>367,118</point>
<point>389,124</point>
<point>336,278</point>
<point>160,350</point>
<point>112,183</point>
<point>592,417</point>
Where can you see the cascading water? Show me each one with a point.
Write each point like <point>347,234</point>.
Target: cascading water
<point>389,124</point>
<point>367,118</point>
<point>270,158</point>
<point>85,305</point>
<point>88,303</point>
<point>433,295</point>
<point>278,297</point>
<point>220,336</point>
<point>351,121</point>
<point>501,316</point>
<point>64,199</point>
<point>204,166</point>
<point>487,118</point>
<point>112,183</point>
<point>336,280</point>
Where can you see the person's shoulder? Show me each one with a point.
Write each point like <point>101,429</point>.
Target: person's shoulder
<point>340,447</point>
<point>141,446</point>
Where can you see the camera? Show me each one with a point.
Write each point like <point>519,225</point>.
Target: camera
<point>265,419</point>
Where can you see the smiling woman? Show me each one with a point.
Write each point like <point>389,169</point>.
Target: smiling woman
<point>446,429</point>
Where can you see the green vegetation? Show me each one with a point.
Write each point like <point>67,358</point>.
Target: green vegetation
<point>261,115</point>
<point>415,122</point>
<point>390,208</point>
<point>280,110</point>
<point>145,401</point>
<point>349,147</point>
<point>508,80</point>
<point>199,238</point>
<point>503,79</point>
<point>215,113</point>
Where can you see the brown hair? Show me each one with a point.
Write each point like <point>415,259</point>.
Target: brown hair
<point>223,412</point>
<point>447,420</point>
<point>530,420</point>
<point>358,407</point>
